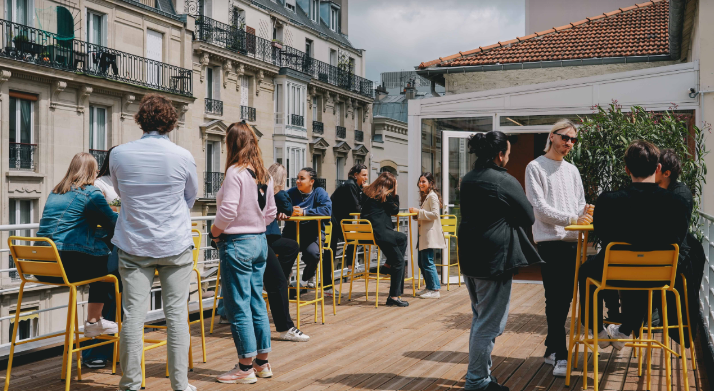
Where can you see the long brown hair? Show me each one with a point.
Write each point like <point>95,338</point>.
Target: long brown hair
<point>381,187</point>
<point>432,187</point>
<point>243,150</point>
<point>81,172</point>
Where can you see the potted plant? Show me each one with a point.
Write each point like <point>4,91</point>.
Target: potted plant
<point>278,43</point>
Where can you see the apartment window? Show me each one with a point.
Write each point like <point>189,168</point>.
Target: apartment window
<point>352,65</point>
<point>97,128</point>
<point>314,10</point>
<point>213,82</point>
<point>334,21</point>
<point>290,4</point>
<point>359,160</point>
<point>340,169</point>
<point>29,325</point>
<point>279,104</point>
<point>316,163</point>
<point>295,160</point>
<point>213,156</point>
<point>315,111</point>
<point>156,301</point>
<point>20,11</point>
<point>279,156</point>
<point>96,28</point>
<point>238,18</point>
<point>21,121</point>
<point>296,103</point>
<point>20,212</point>
<point>358,120</point>
<point>339,120</point>
<point>277,31</point>
<point>333,57</point>
<point>308,48</point>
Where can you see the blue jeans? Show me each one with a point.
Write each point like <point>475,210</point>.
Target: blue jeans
<point>426,264</point>
<point>243,259</point>
<point>489,304</point>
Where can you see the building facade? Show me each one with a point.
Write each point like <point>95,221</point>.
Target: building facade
<point>73,71</point>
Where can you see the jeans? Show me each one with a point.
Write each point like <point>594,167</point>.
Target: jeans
<point>489,303</point>
<point>395,260</point>
<point>558,279</point>
<point>426,264</point>
<point>243,258</point>
<point>137,275</point>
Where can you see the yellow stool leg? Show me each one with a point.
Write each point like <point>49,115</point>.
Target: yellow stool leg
<point>458,263</point>
<point>665,338</point>
<point>72,310</point>
<point>117,316</point>
<point>587,324</point>
<point>685,373</point>
<point>376,295</point>
<point>689,324</point>
<point>143,362</point>
<point>67,347</point>
<point>215,296</point>
<point>14,336</point>
<point>649,336</point>
<point>352,274</point>
<point>79,352</point>
<point>200,317</point>
<point>342,270</point>
<point>334,305</point>
<point>596,356</point>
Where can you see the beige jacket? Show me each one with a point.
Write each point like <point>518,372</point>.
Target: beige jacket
<point>429,218</point>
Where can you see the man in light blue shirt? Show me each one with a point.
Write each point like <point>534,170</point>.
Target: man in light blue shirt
<point>157,183</point>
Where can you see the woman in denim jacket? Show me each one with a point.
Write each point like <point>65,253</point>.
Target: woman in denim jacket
<point>70,218</point>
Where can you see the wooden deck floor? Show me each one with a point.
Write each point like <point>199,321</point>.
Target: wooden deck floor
<point>422,347</point>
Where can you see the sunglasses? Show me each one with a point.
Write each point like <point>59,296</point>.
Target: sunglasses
<point>567,138</point>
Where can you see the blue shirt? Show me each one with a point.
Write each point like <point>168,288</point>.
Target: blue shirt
<point>157,183</point>
<point>71,220</point>
<point>317,203</point>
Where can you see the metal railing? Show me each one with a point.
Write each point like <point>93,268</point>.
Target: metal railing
<point>99,155</point>
<point>341,131</point>
<point>213,182</point>
<point>318,127</point>
<point>359,135</point>
<point>214,106</point>
<point>297,120</point>
<point>247,113</point>
<point>706,291</point>
<point>22,156</point>
<point>220,34</point>
<point>319,182</point>
<point>31,45</point>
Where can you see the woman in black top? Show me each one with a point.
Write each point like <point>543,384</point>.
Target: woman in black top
<point>379,203</point>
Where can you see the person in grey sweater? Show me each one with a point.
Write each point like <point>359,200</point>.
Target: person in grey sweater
<point>555,189</point>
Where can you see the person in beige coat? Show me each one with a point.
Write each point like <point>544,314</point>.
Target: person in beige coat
<point>431,235</point>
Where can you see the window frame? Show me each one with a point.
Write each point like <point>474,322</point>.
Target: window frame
<point>92,127</point>
<point>90,27</point>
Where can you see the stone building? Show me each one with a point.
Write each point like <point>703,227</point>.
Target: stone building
<point>73,71</point>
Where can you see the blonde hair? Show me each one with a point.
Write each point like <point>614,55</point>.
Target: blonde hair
<point>279,175</point>
<point>560,125</point>
<point>81,172</point>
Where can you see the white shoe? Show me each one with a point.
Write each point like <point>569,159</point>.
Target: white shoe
<point>614,332</point>
<point>359,269</point>
<point>102,326</point>
<point>550,360</point>
<point>191,387</point>
<point>560,369</point>
<point>295,335</point>
<point>423,291</point>
<point>603,335</point>
<point>431,295</point>
<point>311,283</point>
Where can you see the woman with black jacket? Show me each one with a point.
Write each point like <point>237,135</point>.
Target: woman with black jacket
<point>379,203</point>
<point>492,246</point>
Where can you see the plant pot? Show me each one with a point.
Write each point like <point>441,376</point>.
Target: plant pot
<point>277,45</point>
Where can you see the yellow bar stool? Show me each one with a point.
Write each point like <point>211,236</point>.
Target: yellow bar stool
<point>44,261</point>
<point>449,225</point>
<point>625,263</point>
<point>327,247</point>
<point>155,343</point>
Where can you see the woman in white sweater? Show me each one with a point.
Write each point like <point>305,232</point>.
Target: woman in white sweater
<point>431,236</point>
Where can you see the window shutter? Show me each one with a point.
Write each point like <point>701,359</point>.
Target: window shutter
<point>105,22</point>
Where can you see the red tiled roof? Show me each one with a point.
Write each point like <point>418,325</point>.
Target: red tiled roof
<point>638,30</point>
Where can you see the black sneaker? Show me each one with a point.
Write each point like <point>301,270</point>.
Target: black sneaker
<point>396,302</point>
<point>95,364</point>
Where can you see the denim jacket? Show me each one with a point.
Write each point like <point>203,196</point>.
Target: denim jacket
<point>71,220</point>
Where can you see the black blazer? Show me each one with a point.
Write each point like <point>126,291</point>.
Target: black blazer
<point>380,215</point>
<point>345,200</point>
<point>494,213</point>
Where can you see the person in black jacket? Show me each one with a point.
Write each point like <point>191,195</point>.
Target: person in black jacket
<point>644,215</point>
<point>345,200</point>
<point>379,203</point>
<point>492,246</point>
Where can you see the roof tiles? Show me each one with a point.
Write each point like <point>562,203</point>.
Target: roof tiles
<point>639,30</point>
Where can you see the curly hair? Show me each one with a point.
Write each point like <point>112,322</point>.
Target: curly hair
<point>156,113</point>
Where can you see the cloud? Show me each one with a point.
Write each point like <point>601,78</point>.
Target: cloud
<point>400,34</point>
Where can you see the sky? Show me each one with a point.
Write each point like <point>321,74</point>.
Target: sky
<point>399,34</point>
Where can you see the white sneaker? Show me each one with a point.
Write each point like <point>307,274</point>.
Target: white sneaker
<point>311,283</point>
<point>102,326</point>
<point>560,369</point>
<point>359,269</point>
<point>550,360</point>
<point>295,335</point>
<point>614,331</point>
<point>423,291</point>
<point>603,335</point>
<point>431,295</point>
<point>191,387</point>
<point>328,292</point>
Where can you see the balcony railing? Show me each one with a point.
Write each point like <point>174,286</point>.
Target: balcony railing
<point>247,113</point>
<point>297,120</point>
<point>318,127</point>
<point>22,156</point>
<point>706,290</point>
<point>213,183</point>
<point>220,34</point>
<point>31,45</point>
<point>214,106</point>
<point>319,182</point>
<point>100,155</point>
<point>341,131</point>
<point>359,135</point>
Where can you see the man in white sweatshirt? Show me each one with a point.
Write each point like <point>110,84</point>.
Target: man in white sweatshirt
<point>555,189</point>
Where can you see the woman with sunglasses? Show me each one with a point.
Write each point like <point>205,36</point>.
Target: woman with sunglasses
<point>555,189</point>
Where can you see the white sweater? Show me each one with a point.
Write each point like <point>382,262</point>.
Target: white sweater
<point>555,190</point>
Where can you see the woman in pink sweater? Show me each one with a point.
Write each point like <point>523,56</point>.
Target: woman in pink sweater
<point>245,206</point>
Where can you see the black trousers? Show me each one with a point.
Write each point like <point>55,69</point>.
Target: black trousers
<point>633,303</point>
<point>558,279</point>
<point>395,260</point>
<point>80,267</point>
<point>349,252</point>
<point>276,284</point>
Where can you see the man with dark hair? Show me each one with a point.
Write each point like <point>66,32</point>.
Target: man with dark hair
<point>668,177</point>
<point>643,214</point>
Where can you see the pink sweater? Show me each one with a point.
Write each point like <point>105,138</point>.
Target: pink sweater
<point>238,211</point>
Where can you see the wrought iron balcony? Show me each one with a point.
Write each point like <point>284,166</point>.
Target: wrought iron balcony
<point>214,106</point>
<point>31,45</point>
<point>318,127</point>
<point>341,131</point>
<point>297,120</point>
<point>100,155</point>
<point>247,113</point>
<point>213,181</point>
<point>22,156</point>
<point>319,182</point>
<point>359,135</point>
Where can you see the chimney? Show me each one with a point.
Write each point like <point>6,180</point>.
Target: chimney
<point>410,91</point>
<point>381,92</point>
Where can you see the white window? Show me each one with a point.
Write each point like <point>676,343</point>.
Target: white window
<point>290,4</point>
<point>308,47</point>
<point>213,156</point>
<point>279,105</point>
<point>213,83</point>
<point>154,52</point>
<point>334,19</point>
<point>20,212</point>
<point>316,163</point>
<point>279,156</point>
<point>333,57</point>
<point>96,28</point>
<point>244,91</point>
<point>314,10</point>
<point>338,114</point>
<point>157,302</point>
<point>97,129</point>
<point>295,160</point>
<point>20,11</point>
<point>359,160</point>
<point>340,168</point>
<point>22,147</point>
<point>314,109</point>
<point>29,326</point>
